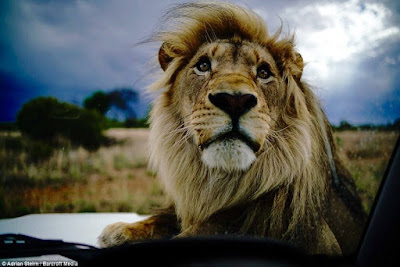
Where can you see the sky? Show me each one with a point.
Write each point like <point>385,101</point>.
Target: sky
<point>69,49</point>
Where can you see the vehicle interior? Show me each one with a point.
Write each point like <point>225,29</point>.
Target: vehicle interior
<point>74,132</point>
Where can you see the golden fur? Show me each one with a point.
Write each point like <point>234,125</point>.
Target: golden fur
<point>284,182</point>
<point>296,145</point>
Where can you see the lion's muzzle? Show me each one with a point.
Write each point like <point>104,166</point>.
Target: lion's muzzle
<point>229,127</point>
<point>233,134</point>
<point>235,105</point>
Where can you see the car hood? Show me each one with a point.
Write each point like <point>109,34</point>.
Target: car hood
<point>70,227</point>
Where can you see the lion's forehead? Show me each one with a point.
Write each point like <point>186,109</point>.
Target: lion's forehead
<point>235,53</point>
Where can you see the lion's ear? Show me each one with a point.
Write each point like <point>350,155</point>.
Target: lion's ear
<point>294,65</point>
<point>298,70</point>
<point>165,56</point>
<point>289,61</point>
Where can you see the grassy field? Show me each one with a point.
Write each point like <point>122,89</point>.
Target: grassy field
<point>366,155</point>
<point>116,179</point>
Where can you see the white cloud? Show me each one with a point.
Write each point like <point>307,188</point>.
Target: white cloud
<point>330,34</point>
<point>351,51</point>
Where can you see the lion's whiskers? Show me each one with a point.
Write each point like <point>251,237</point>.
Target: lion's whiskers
<point>184,131</point>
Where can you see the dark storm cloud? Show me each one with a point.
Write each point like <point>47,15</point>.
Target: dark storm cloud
<point>373,95</point>
<point>72,48</point>
<point>81,44</point>
<point>68,49</point>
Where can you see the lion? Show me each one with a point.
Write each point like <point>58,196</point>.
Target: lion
<point>240,141</point>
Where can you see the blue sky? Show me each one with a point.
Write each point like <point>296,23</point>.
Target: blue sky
<point>69,49</point>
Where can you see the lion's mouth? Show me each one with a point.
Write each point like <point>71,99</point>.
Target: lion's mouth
<point>233,134</point>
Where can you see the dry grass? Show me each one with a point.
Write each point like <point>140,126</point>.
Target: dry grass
<point>366,155</point>
<point>113,178</point>
<point>116,178</point>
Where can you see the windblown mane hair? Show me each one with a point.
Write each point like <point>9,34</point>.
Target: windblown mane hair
<point>294,171</point>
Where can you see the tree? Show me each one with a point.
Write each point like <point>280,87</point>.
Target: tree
<point>99,101</point>
<point>121,99</point>
<point>396,124</point>
<point>344,125</point>
<point>45,119</point>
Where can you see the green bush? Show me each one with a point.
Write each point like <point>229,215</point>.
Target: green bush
<point>11,143</point>
<point>39,150</point>
<point>136,123</point>
<point>46,119</point>
<point>113,123</point>
<point>8,126</point>
<point>99,101</point>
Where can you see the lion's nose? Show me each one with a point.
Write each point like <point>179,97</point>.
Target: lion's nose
<point>234,105</point>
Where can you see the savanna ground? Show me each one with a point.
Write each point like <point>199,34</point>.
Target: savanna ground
<point>116,179</point>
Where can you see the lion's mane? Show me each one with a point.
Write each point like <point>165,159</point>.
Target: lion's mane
<point>295,169</point>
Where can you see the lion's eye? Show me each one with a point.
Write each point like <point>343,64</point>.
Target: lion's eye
<point>203,65</point>
<point>263,72</point>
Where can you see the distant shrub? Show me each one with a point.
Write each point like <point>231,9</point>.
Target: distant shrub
<point>8,126</point>
<point>113,123</point>
<point>11,143</point>
<point>99,101</point>
<point>39,150</point>
<point>46,119</point>
<point>136,123</point>
<point>346,126</point>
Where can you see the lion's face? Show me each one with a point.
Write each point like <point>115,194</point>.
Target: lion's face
<point>229,96</point>
<point>235,121</point>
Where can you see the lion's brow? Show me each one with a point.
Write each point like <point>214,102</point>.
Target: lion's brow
<point>214,50</point>
<point>256,55</point>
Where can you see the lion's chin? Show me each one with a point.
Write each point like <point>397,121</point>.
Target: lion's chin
<point>228,155</point>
